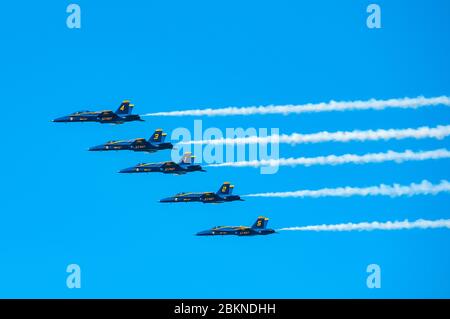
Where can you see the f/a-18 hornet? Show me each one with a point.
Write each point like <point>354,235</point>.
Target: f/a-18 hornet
<point>258,228</point>
<point>122,115</point>
<point>221,196</point>
<point>186,165</point>
<point>153,144</point>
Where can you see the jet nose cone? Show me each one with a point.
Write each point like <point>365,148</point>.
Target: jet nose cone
<point>128,170</point>
<point>96,148</point>
<point>166,200</point>
<point>61,119</point>
<point>203,233</point>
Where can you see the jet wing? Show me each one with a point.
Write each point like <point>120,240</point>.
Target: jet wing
<point>139,141</point>
<point>109,115</point>
<point>139,144</point>
<point>210,197</point>
<point>171,164</point>
<point>106,113</point>
<point>171,167</point>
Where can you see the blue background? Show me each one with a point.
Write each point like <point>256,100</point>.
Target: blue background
<point>61,204</point>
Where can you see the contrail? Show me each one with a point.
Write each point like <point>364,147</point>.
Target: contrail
<point>438,132</point>
<point>398,157</point>
<point>368,226</point>
<point>372,104</point>
<point>395,190</point>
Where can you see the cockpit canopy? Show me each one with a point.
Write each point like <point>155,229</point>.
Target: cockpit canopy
<point>142,164</point>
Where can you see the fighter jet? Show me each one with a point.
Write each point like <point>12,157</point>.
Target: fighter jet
<point>153,144</point>
<point>184,166</point>
<point>221,196</point>
<point>258,228</point>
<point>122,115</point>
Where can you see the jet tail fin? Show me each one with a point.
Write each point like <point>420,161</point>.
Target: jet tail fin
<point>158,137</point>
<point>225,189</point>
<point>125,108</point>
<point>261,223</point>
<point>187,158</point>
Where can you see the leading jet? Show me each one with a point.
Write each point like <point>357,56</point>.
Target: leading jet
<point>122,115</point>
<point>186,165</point>
<point>153,144</point>
<point>258,228</point>
<point>221,196</point>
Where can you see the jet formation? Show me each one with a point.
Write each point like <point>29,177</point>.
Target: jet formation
<point>156,143</point>
<point>258,228</point>
<point>122,115</point>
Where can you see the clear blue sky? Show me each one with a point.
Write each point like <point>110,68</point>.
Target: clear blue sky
<point>61,204</point>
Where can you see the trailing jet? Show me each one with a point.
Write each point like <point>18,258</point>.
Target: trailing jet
<point>258,228</point>
<point>122,115</point>
<point>153,144</point>
<point>186,165</point>
<point>221,196</point>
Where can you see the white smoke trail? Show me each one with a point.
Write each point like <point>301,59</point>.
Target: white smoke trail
<point>368,226</point>
<point>438,132</point>
<point>396,190</point>
<point>398,157</point>
<point>372,104</point>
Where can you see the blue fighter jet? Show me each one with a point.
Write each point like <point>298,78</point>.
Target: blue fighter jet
<point>153,144</point>
<point>258,228</point>
<point>221,196</point>
<point>186,165</point>
<point>122,115</point>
